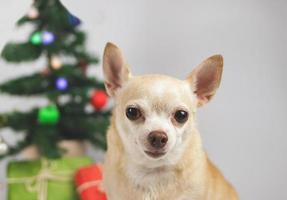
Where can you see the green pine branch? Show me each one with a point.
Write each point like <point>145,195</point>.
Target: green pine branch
<point>73,125</point>
<point>13,52</point>
<point>39,84</point>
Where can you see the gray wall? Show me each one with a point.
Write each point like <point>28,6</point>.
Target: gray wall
<point>243,128</point>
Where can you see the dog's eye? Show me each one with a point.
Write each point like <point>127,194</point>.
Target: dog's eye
<point>181,116</point>
<point>133,113</point>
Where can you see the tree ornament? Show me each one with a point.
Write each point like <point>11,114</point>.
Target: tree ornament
<point>99,99</point>
<point>56,63</point>
<point>73,20</point>
<point>33,13</point>
<point>48,115</point>
<point>46,71</point>
<point>3,147</point>
<point>89,109</point>
<point>61,83</point>
<point>36,38</point>
<point>48,38</point>
<point>64,99</point>
<point>83,65</point>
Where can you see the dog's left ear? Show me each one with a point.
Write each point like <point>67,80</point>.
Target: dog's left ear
<point>205,78</point>
<point>115,69</point>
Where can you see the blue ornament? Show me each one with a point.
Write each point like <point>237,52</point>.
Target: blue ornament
<point>62,83</point>
<point>73,20</point>
<point>48,37</point>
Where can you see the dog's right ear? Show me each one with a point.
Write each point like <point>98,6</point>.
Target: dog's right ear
<point>115,69</point>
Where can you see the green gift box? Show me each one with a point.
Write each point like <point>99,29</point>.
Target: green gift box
<point>44,179</point>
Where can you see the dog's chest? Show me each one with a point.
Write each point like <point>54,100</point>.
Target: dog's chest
<point>168,196</point>
<point>150,178</point>
<point>160,184</point>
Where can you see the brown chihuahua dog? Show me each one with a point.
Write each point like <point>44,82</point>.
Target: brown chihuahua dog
<point>154,148</point>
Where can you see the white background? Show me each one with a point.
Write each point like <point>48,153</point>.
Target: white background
<point>243,128</point>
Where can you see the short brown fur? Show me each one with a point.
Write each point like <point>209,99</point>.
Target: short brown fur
<point>193,177</point>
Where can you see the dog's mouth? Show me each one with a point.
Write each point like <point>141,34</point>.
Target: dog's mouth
<point>155,154</point>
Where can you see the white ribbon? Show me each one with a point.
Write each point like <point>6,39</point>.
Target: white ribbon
<point>88,185</point>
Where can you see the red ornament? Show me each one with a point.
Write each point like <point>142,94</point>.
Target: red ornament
<point>99,99</point>
<point>88,181</point>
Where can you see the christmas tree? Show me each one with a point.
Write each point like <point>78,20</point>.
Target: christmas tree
<point>71,93</point>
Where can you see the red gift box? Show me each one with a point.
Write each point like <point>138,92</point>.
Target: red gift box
<point>88,182</point>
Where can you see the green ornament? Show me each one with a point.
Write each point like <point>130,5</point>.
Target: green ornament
<point>49,115</point>
<point>36,38</point>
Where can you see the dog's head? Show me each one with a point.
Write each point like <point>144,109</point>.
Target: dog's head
<point>154,114</point>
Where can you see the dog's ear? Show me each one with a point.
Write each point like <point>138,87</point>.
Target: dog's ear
<point>115,69</point>
<point>205,78</point>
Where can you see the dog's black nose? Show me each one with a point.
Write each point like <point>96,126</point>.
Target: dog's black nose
<point>157,139</point>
